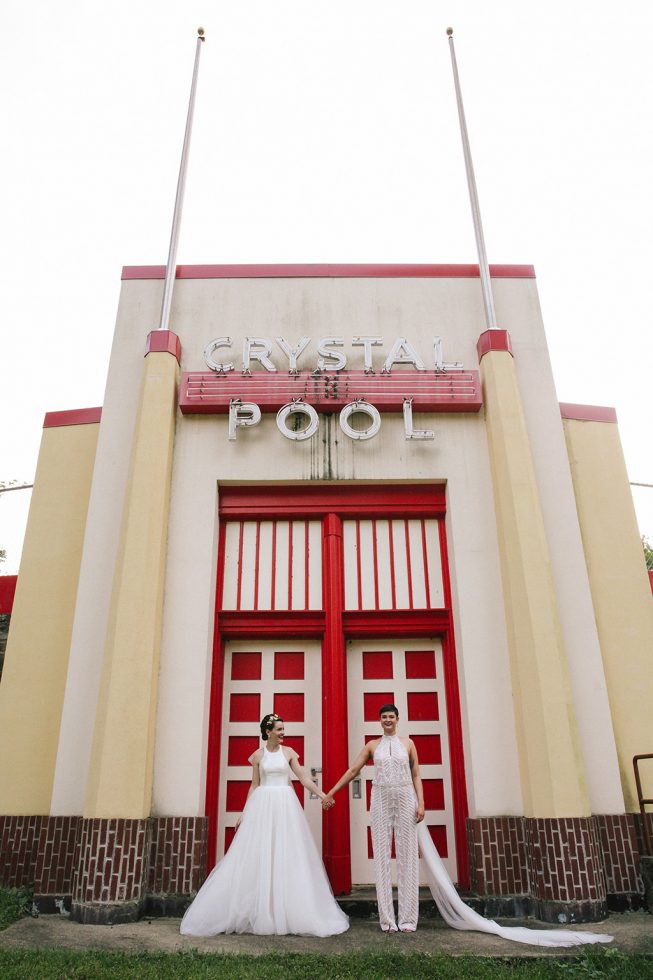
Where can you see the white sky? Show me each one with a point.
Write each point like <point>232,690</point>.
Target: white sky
<point>324,132</point>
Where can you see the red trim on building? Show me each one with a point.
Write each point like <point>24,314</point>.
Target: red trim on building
<point>257,562</point>
<point>409,570</point>
<point>650,578</point>
<point>336,843</point>
<point>163,342</point>
<point>266,624</point>
<point>239,583</point>
<point>329,270</point>
<point>215,713</point>
<point>493,340</point>
<point>587,413</point>
<point>76,416</point>
<point>347,499</point>
<point>7,593</point>
<point>374,623</point>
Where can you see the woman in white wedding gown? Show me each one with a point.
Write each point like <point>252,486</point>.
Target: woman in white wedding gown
<point>271,881</point>
<point>397,807</point>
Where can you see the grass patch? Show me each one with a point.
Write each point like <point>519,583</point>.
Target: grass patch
<point>14,904</point>
<point>68,965</point>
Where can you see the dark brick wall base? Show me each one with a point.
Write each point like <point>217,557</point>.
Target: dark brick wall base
<point>104,871</point>
<point>107,871</point>
<point>565,870</point>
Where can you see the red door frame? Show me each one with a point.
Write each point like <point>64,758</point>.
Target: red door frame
<point>334,627</point>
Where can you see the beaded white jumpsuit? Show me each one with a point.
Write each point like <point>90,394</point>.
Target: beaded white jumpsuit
<point>392,810</point>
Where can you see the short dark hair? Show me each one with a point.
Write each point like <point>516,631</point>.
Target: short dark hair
<point>389,707</point>
<point>267,724</point>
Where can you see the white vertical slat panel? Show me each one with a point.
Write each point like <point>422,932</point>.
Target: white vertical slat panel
<point>400,564</point>
<point>248,568</point>
<point>367,565</point>
<point>232,539</point>
<point>434,563</point>
<point>350,557</point>
<point>265,565</point>
<point>383,564</point>
<point>417,564</point>
<point>281,571</point>
<point>298,564</point>
<point>315,565</point>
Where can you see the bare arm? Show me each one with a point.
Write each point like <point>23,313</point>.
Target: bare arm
<point>417,780</point>
<point>256,780</point>
<point>305,780</point>
<point>361,759</point>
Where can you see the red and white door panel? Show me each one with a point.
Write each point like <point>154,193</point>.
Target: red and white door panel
<point>407,673</point>
<point>280,676</point>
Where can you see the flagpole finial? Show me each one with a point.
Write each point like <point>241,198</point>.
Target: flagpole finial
<point>200,33</point>
<point>449,31</point>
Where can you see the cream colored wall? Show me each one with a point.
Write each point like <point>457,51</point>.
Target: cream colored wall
<point>34,676</point>
<point>620,589</point>
<point>552,772</point>
<point>120,771</point>
<point>565,547</point>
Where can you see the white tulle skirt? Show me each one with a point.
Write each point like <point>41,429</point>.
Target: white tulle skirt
<point>271,880</point>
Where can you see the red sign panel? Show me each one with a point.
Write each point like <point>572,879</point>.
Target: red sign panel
<point>210,392</point>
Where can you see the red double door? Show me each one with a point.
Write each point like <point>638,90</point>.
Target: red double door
<point>330,602</point>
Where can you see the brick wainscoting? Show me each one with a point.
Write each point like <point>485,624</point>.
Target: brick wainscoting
<point>111,871</point>
<point>560,870</point>
<point>19,838</point>
<point>57,857</point>
<point>104,871</point>
<point>177,863</point>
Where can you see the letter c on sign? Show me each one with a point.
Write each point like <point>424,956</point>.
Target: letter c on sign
<point>208,355</point>
<point>298,408</point>
<point>366,409</point>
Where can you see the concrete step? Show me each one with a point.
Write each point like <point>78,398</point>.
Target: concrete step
<point>361,902</point>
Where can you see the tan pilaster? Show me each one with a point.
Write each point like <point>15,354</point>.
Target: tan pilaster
<point>120,773</point>
<point>36,661</point>
<point>552,775</point>
<point>621,592</point>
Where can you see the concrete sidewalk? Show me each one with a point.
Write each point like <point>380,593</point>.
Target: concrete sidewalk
<point>633,933</point>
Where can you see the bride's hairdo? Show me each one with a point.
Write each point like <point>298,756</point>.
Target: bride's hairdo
<point>267,724</point>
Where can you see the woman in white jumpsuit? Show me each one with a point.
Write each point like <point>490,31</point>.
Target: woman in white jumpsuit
<point>398,806</point>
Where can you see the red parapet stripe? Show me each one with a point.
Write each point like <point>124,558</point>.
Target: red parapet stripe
<point>7,593</point>
<point>76,416</point>
<point>210,393</point>
<point>329,270</point>
<point>587,413</point>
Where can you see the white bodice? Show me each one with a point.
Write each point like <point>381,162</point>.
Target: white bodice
<point>391,765</point>
<point>274,768</point>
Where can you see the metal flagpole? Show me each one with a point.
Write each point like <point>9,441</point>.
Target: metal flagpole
<point>484,268</point>
<point>179,200</point>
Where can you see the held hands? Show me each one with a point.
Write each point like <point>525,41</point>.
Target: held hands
<point>327,802</point>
